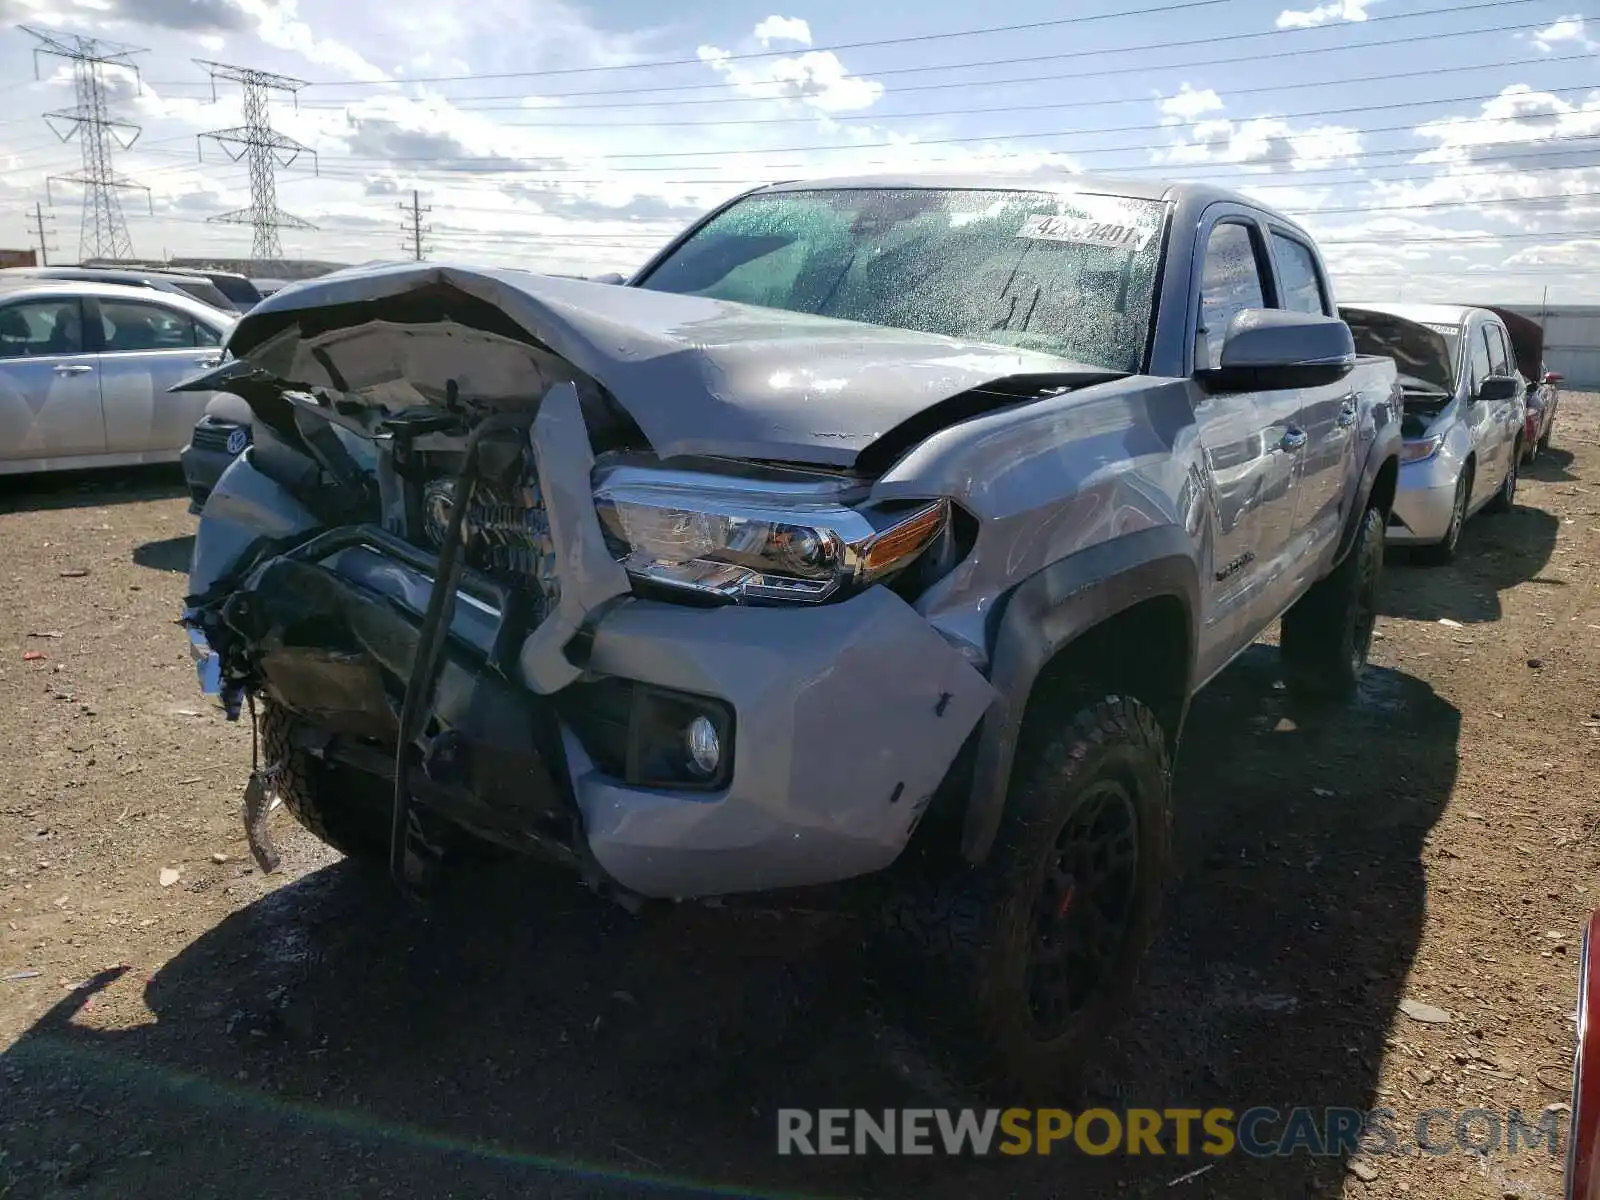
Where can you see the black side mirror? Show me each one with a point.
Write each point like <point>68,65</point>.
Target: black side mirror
<point>1267,349</point>
<point>1497,388</point>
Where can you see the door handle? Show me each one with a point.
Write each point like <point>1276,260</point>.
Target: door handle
<point>1346,417</point>
<point>1293,439</point>
<point>73,369</point>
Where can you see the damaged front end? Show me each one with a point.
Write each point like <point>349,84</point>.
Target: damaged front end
<point>459,555</point>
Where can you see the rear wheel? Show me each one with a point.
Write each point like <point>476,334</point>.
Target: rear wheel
<point>1326,635</point>
<point>1037,951</point>
<point>339,806</point>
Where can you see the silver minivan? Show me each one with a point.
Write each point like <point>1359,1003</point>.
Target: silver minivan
<point>1465,404</point>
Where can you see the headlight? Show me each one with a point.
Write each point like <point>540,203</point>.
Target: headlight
<point>1420,449</point>
<point>743,546</point>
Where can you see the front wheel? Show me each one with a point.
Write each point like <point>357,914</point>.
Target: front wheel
<point>1444,550</point>
<point>1326,636</point>
<point>1506,498</point>
<point>1038,950</point>
<point>338,806</point>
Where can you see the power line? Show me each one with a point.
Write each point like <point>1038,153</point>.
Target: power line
<point>414,224</point>
<point>1385,77</point>
<point>1216,39</point>
<point>103,231</point>
<point>264,150</point>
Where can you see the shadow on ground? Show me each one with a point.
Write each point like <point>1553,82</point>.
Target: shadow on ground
<point>89,489</point>
<point>169,554</point>
<point>1553,465</point>
<point>1497,552</point>
<point>522,1038</point>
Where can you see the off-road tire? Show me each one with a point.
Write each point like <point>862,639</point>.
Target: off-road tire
<point>1444,550</point>
<point>1326,635</point>
<point>975,928</point>
<point>357,830</point>
<point>1506,498</point>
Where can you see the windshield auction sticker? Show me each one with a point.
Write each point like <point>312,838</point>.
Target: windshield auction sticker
<point>1083,231</point>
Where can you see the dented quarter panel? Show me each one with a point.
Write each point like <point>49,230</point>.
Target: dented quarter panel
<point>848,717</point>
<point>589,575</point>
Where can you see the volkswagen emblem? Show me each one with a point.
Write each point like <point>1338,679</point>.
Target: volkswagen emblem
<point>238,440</point>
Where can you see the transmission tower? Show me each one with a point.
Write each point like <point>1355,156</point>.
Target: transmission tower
<point>43,233</point>
<point>104,232</point>
<point>265,150</point>
<point>414,226</point>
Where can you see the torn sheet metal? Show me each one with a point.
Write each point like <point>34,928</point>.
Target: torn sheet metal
<point>588,576</point>
<point>698,376</point>
<point>848,717</point>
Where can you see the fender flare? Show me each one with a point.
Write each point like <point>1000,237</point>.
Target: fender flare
<point>1047,612</point>
<point>1380,452</point>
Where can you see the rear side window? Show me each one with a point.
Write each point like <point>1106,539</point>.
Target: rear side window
<point>1230,282</point>
<point>31,328</point>
<point>1297,272</point>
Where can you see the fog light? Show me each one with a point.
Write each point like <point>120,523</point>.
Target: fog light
<point>705,748</point>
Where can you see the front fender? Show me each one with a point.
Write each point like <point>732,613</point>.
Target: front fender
<point>245,510</point>
<point>1044,614</point>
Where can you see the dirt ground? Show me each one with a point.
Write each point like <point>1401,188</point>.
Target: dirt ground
<point>174,1023</point>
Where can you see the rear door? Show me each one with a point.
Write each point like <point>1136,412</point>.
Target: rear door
<point>146,346</point>
<point>1506,414</point>
<point>49,386</point>
<point>1251,440</point>
<point>1327,414</point>
<point>1478,414</point>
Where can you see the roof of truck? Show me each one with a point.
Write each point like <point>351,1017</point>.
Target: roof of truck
<point>1054,181</point>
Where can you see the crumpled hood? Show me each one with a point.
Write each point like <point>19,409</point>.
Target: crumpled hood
<point>698,376</point>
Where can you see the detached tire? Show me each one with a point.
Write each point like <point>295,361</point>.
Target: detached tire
<point>1326,636</point>
<point>333,807</point>
<point>1037,951</point>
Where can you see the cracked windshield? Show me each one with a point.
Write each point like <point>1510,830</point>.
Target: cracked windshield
<point>1069,275</point>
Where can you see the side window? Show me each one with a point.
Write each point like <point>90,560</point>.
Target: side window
<point>204,335</point>
<point>31,328</point>
<point>133,325</point>
<point>1479,342</point>
<point>1301,288</point>
<point>1499,354</point>
<point>1230,282</point>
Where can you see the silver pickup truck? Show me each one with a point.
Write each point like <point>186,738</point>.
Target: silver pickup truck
<point>874,523</point>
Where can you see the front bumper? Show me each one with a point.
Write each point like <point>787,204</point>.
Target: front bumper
<point>207,456</point>
<point>847,717</point>
<point>1425,496</point>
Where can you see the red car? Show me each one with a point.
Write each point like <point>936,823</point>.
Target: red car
<point>1583,1137</point>
<point>1544,387</point>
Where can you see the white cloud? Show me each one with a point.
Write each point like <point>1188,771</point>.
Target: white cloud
<point>816,79</point>
<point>1264,143</point>
<point>783,29</point>
<point>1567,29</point>
<point>1188,104</point>
<point>1335,10</point>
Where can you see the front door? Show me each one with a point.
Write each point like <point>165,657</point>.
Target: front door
<point>1326,414</point>
<point>145,348</point>
<point>49,387</point>
<point>1253,448</point>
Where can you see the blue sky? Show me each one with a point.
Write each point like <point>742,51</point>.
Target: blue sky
<point>1436,156</point>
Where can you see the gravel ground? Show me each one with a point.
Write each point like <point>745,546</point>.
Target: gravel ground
<point>174,1023</point>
